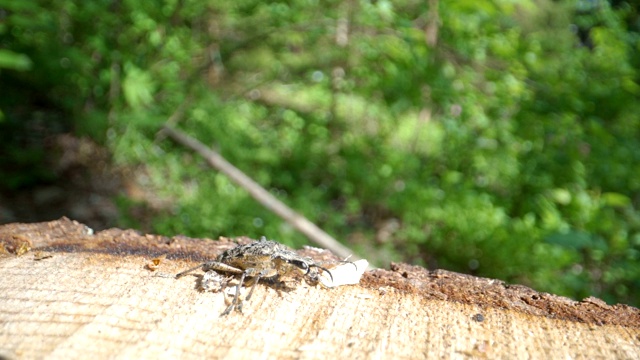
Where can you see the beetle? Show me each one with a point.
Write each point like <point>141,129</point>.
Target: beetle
<point>262,259</point>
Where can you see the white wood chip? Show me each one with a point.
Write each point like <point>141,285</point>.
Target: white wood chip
<point>348,273</point>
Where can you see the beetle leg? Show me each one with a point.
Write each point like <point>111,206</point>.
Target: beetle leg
<point>211,265</point>
<point>256,279</point>
<point>189,270</point>
<point>235,304</point>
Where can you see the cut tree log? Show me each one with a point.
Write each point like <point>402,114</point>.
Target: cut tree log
<point>74,294</point>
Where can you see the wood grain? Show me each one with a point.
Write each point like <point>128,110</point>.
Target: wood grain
<point>83,302</point>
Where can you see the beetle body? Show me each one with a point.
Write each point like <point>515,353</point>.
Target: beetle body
<point>258,260</point>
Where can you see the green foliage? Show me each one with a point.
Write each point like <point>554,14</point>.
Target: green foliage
<point>506,147</point>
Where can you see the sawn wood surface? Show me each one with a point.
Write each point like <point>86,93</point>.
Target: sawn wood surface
<point>71,294</point>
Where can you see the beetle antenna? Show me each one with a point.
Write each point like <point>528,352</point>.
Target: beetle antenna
<point>325,270</point>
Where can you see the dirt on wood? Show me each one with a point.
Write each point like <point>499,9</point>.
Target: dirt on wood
<point>111,279</point>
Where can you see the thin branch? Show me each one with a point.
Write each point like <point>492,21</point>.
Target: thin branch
<point>298,221</point>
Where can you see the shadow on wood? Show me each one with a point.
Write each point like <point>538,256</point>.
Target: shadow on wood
<point>71,294</point>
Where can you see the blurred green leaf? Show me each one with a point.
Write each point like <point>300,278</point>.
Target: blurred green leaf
<point>616,199</point>
<point>138,87</point>
<point>13,61</point>
<point>576,240</point>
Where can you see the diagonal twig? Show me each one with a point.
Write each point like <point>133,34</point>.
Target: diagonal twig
<point>298,221</point>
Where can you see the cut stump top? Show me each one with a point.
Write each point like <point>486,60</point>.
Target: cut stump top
<point>72,293</point>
